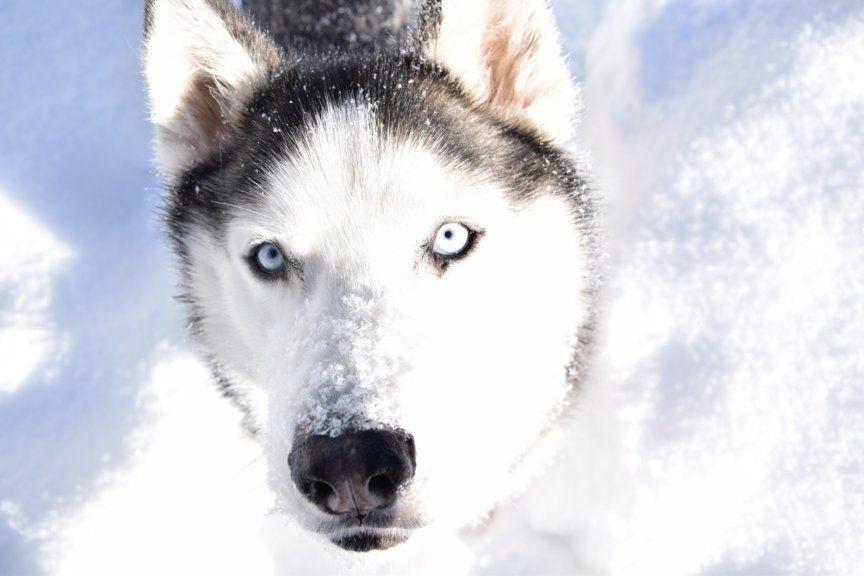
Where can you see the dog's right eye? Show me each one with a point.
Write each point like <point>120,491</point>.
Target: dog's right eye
<point>267,260</point>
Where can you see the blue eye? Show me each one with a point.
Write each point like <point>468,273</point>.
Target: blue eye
<point>452,240</point>
<point>269,259</point>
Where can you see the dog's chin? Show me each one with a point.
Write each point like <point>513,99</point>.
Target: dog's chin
<point>368,539</point>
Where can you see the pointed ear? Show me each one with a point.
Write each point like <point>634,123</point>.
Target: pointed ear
<point>202,63</point>
<point>506,53</point>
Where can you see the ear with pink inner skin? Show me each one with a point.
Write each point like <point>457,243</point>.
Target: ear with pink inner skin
<point>203,61</point>
<point>507,55</point>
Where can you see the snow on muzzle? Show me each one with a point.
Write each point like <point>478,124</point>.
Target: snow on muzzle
<point>350,456</point>
<point>362,357</point>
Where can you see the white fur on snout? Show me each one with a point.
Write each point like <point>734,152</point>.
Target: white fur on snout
<point>471,362</point>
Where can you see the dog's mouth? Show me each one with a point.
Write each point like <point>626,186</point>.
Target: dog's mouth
<point>366,539</point>
<point>378,530</point>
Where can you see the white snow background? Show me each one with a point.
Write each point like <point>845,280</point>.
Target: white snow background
<point>728,139</point>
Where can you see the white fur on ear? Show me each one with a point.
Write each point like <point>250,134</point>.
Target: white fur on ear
<point>506,53</point>
<point>202,62</point>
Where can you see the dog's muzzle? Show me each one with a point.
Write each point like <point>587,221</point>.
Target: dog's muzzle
<point>355,478</point>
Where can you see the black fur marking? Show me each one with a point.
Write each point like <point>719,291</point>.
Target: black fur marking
<point>365,542</point>
<point>410,98</point>
<point>230,392</point>
<point>311,26</point>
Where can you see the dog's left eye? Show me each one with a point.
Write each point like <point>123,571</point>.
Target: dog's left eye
<point>452,240</point>
<point>268,259</point>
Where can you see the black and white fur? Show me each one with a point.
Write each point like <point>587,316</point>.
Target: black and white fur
<point>349,153</point>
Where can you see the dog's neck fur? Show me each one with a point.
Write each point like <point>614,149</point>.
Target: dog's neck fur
<point>322,25</point>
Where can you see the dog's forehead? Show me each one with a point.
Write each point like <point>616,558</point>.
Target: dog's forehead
<point>347,155</point>
<point>347,184</point>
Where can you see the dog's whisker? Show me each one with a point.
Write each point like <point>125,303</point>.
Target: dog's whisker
<point>242,208</point>
<point>248,464</point>
<point>255,488</point>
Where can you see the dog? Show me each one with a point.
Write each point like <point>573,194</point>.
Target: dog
<point>387,253</point>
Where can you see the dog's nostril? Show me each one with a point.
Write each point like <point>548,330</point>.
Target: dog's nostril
<point>318,492</point>
<point>382,486</point>
<point>354,473</point>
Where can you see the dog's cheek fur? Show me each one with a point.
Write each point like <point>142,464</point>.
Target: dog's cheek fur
<point>234,315</point>
<point>494,376</point>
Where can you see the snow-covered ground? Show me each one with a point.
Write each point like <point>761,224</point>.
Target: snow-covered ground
<point>728,138</point>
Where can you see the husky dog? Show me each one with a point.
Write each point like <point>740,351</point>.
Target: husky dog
<point>386,253</point>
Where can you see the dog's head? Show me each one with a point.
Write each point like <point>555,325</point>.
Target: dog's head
<point>387,260</point>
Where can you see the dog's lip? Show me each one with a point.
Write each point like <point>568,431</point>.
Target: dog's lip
<point>367,538</point>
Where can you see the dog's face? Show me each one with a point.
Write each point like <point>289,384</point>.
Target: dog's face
<point>387,262</point>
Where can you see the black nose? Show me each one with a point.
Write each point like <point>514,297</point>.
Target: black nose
<point>354,473</point>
